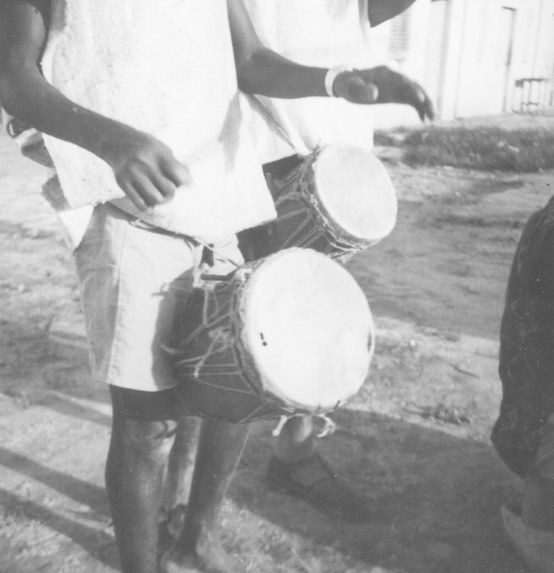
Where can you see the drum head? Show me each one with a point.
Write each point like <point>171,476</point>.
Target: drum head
<point>308,328</point>
<point>356,191</point>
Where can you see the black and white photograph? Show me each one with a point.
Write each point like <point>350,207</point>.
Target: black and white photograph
<point>276,286</point>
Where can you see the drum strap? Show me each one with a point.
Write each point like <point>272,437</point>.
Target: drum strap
<point>328,427</point>
<point>208,249</point>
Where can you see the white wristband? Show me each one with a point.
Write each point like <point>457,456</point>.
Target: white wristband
<point>331,76</point>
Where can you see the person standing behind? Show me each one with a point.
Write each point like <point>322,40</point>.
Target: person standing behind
<point>330,33</point>
<point>316,33</point>
<point>524,432</point>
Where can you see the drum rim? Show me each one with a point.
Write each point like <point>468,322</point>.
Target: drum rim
<point>247,357</point>
<point>307,188</point>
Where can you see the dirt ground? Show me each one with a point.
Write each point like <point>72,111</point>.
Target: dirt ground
<point>415,440</point>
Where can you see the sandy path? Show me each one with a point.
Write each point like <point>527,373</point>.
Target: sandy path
<point>415,439</point>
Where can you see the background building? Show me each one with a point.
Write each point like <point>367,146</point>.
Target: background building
<point>475,57</point>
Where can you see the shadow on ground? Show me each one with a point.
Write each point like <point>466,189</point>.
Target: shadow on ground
<point>435,498</point>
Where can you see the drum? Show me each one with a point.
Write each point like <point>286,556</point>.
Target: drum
<point>292,333</point>
<point>338,201</point>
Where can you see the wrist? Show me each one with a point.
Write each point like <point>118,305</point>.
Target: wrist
<point>107,137</point>
<point>331,76</point>
<point>91,132</point>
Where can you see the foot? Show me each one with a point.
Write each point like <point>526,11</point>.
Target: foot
<point>534,546</point>
<point>209,556</point>
<point>314,481</point>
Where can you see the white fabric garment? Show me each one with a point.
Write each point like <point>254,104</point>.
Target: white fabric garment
<point>322,33</point>
<point>165,67</point>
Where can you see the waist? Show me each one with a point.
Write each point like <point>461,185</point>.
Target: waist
<point>145,225</point>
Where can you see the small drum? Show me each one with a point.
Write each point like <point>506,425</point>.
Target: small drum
<point>292,333</point>
<point>338,201</point>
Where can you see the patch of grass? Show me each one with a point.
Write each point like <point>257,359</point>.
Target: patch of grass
<point>480,147</point>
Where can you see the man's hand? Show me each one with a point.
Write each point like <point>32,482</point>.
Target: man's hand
<point>355,88</point>
<point>383,85</point>
<point>145,168</point>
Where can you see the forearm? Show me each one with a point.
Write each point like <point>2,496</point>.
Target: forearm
<point>263,72</point>
<point>26,95</point>
<point>269,74</point>
<point>144,168</point>
<point>23,90</point>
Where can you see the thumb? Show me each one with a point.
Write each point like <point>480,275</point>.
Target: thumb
<point>176,172</point>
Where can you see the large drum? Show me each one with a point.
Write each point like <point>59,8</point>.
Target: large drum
<point>292,333</point>
<point>338,201</point>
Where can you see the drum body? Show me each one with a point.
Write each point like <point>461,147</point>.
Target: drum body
<point>292,333</point>
<point>337,201</point>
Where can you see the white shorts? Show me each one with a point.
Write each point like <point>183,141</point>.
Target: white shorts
<point>133,282</point>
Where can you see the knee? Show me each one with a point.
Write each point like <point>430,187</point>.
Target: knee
<point>146,441</point>
<point>143,424</point>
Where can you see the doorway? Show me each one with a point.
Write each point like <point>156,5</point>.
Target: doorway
<point>506,29</point>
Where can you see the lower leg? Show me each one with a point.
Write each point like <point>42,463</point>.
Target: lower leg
<point>297,440</point>
<point>134,478</point>
<point>180,467</point>
<point>199,547</point>
<point>142,434</point>
<point>297,469</point>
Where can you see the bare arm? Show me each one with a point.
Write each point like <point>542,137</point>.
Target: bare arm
<point>382,10</point>
<point>263,72</point>
<point>144,168</point>
<point>23,90</point>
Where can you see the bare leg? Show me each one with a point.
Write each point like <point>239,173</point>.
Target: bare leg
<point>199,548</point>
<point>178,481</point>
<point>142,434</point>
<point>181,463</point>
<point>297,440</point>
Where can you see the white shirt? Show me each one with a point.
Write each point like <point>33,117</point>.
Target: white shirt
<point>323,33</point>
<point>165,67</point>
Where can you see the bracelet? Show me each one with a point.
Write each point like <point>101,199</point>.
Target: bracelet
<point>331,76</point>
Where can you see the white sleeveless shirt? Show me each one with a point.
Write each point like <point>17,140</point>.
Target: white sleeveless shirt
<point>165,67</point>
<point>323,33</point>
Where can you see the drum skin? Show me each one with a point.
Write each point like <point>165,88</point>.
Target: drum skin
<point>218,374</point>
<point>302,217</point>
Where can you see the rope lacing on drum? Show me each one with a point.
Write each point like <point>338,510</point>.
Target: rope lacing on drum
<point>329,425</point>
<point>297,185</point>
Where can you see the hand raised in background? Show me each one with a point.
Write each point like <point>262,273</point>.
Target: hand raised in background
<point>383,85</point>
